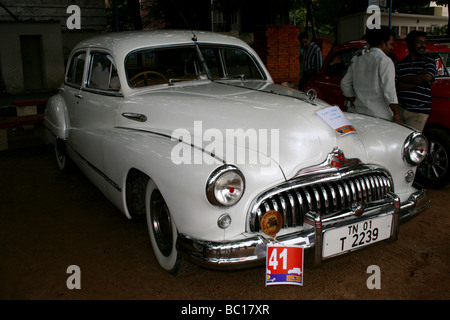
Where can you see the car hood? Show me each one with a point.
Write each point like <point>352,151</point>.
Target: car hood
<point>276,122</point>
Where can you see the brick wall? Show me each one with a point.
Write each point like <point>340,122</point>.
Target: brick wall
<point>278,47</point>
<point>324,44</point>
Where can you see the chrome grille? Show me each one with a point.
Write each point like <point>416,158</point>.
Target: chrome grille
<point>324,195</point>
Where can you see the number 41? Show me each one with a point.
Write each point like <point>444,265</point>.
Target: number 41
<point>273,260</point>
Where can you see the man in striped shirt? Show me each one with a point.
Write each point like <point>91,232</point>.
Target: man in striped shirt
<point>312,59</point>
<point>414,75</point>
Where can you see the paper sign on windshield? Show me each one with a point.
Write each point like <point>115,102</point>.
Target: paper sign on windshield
<point>336,119</point>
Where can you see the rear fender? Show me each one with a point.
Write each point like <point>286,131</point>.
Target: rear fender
<point>55,119</point>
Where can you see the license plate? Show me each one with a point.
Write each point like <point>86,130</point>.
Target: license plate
<point>357,235</point>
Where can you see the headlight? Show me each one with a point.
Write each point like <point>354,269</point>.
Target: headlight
<point>225,186</point>
<point>415,149</point>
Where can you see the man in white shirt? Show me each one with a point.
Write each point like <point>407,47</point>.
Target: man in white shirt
<point>370,80</point>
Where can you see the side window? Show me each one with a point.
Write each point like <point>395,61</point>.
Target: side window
<point>339,64</point>
<point>103,73</point>
<point>75,70</point>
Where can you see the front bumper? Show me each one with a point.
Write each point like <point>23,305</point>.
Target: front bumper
<point>250,252</point>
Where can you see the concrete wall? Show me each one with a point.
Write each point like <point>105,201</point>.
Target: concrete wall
<point>48,19</point>
<point>11,59</point>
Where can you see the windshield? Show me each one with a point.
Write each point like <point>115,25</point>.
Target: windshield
<point>230,63</point>
<point>151,66</point>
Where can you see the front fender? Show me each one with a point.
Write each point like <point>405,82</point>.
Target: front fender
<point>384,141</point>
<point>182,185</point>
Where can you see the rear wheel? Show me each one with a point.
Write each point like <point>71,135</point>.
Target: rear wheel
<point>62,158</point>
<point>162,229</point>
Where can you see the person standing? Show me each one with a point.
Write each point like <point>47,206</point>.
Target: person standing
<point>414,75</point>
<point>370,80</point>
<point>312,59</point>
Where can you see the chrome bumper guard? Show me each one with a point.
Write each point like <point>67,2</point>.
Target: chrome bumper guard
<point>250,252</point>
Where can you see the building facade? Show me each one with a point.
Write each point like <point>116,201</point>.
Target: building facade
<point>40,36</point>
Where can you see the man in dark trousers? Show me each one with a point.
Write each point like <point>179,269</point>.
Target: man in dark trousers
<point>414,75</point>
<point>312,59</point>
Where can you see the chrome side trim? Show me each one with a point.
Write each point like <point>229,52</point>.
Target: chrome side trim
<point>172,139</point>
<point>95,169</point>
<point>329,84</point>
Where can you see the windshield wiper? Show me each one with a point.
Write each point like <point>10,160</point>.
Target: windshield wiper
<point>202,60</point>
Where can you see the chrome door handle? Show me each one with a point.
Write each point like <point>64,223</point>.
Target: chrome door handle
<point>79,96</point>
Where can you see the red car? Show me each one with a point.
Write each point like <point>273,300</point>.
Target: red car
<point>435,170</point>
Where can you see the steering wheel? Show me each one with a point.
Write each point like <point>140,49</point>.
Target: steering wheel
<point>147,81</point>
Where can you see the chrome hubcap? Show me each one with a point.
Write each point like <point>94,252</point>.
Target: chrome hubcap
<point>161,223</point>
<point>436,163</point>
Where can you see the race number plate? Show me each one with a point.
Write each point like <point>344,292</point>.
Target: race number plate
<point>284,265</point>
<point>355,236</point>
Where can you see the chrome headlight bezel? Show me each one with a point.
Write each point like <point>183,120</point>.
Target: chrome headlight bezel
<point>415,149</point>
<point>225,186</point>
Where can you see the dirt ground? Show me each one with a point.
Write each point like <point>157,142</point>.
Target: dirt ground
<point>50,221</point>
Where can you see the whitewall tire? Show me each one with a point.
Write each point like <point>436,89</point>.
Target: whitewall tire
<point>162,229</point>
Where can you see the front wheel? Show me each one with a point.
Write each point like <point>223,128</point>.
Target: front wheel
<point>434,171</point>
<point>162,229</point>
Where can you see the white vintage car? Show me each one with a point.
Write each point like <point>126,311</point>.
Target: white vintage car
<point>190,130</point>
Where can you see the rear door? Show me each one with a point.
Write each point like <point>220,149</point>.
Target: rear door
<point>96,108</point>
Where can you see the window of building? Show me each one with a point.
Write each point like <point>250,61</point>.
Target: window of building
<point>403,31</point>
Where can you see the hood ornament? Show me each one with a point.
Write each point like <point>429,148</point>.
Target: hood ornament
<point>311,96</point>
<point>336,158</point>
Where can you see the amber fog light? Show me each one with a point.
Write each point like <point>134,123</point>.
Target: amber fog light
<point>271,223</point>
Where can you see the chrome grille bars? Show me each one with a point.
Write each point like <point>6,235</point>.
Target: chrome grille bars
<point>328,195</point>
